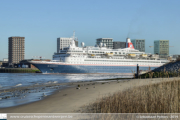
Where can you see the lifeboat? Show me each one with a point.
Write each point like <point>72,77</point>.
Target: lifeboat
<point>132,55</point>
<point>109,54</point>
<point>154,56</point>
<point>143,55</point>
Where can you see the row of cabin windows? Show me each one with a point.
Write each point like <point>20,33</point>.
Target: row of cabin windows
<point>74,51</point>
<point>113,52</point>
<point>76,59</point>
<point>106,52</point>
<point>110,63</point>
<point>123,61</point>
<point>100,52</point>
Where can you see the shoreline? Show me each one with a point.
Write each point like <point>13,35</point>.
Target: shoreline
<point>28,94</point>
<point>73,100</point>
<point>19,70</point>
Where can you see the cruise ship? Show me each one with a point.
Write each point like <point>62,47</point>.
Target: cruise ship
<point>99,59</point>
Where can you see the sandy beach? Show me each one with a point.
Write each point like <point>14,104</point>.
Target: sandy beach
<point>73,100</point>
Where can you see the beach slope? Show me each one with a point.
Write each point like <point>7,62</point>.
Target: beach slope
<point>73,100</point>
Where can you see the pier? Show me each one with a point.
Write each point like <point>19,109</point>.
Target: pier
<point>19,70</point>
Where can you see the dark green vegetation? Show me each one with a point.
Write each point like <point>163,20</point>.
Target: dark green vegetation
<point>19,70</point>
<point>164,74</point>
<point>171,69</point>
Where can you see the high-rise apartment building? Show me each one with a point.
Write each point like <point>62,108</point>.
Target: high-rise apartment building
<point>139,44</point>
<point>161,47</point>
<point>64,42</point>
<point>117,45</point>
<point>16,49</point>
<point>107,41</point>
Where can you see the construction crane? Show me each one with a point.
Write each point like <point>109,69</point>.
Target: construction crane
<point>153,46</point>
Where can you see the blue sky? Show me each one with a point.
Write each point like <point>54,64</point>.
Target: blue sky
<point>41,22</point>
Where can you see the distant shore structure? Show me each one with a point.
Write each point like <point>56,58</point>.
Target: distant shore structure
<point>107,41</point>
<point>63,42</point>
<point>118,45</point>
<point>139,44</point>
<point>16,49</point>
<point>161,47</point>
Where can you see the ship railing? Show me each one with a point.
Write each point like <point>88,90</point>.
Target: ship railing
<point>55,60</point>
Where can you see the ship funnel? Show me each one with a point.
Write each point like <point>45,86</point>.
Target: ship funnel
<point>129,43</point>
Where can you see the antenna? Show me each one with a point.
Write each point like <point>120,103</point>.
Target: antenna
<point>73,35</point>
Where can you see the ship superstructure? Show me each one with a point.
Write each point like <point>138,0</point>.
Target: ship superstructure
<point>99,59</point>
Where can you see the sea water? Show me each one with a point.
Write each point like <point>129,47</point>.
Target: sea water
<point>8,80</point>
<point>13,80</point>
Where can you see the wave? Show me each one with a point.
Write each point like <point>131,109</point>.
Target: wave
<point>18,84</point>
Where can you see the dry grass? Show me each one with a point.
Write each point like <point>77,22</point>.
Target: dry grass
<point>154,98</point>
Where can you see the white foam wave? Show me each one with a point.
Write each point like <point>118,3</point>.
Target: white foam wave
<point>18,84</point>
<point>55,81</point>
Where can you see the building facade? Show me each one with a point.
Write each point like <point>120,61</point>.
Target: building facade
<point>175,56</point>
<point>1,63</point>
<point>16,49</point>
<point>139,44</point>
<point>161,47</point>
<point>118,45</point>
<point>5,59</point>
<point>107,41</point>
<point>64,42</point>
